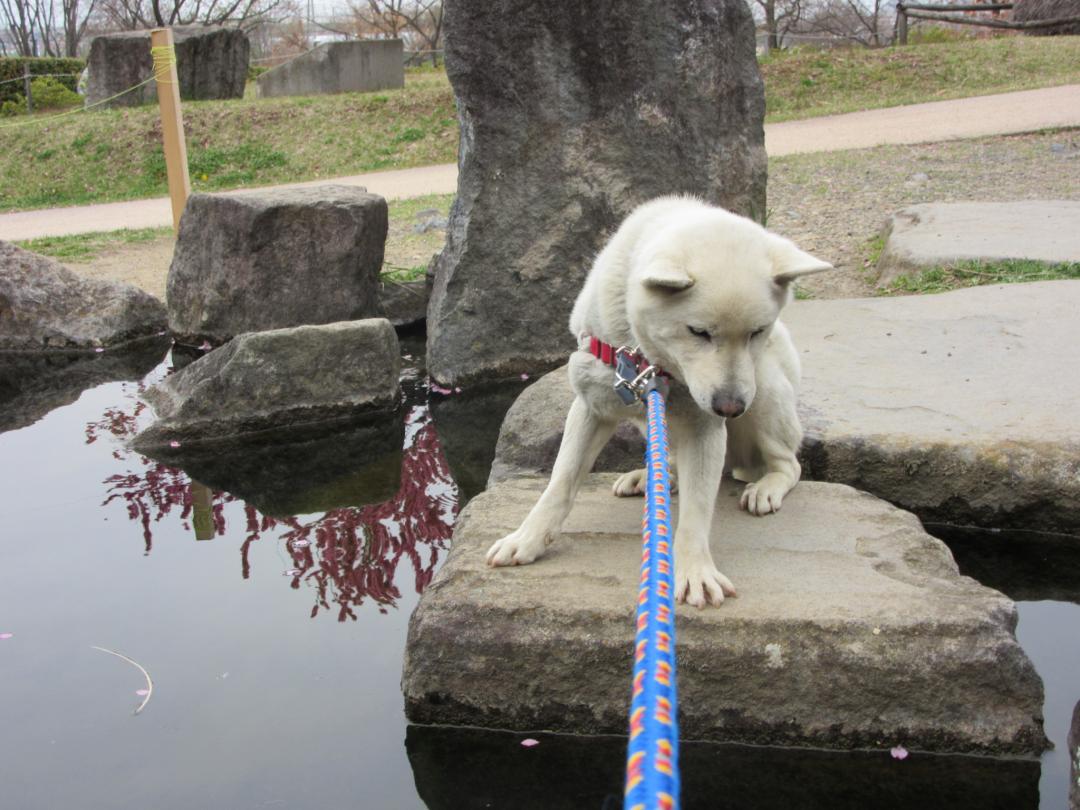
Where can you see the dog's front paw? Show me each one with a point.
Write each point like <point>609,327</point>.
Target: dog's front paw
<point>633,483</point>
<point>517,548</point>
<point>765,496</point>
<point>698,582</point>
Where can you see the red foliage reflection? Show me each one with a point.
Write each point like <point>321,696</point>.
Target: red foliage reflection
<point>346,555</point>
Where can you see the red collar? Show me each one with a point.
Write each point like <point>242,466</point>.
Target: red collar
<point>606,353</point>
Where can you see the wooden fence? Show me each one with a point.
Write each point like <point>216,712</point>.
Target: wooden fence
<point>942,12</point>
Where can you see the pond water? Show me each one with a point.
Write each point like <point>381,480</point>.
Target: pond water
<point>268,600</point>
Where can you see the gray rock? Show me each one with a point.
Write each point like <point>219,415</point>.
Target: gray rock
<point>934,234</point>
<point>211,62</point>
<point>404,303</point>
<point>530,435</point>
<point>853,629</point>
<point>272,259</point>
<point>437,222</point>
<point>34,383</point>
<point>939,404</point>
<point>278,379</point>
<point>569,119</point>
<point>354,66</point>
<point>46,307</point>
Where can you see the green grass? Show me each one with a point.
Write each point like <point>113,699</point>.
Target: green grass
<point>87,247</point>
<point>804,83</point>
<point>975,274</point>
<point>101,156</point>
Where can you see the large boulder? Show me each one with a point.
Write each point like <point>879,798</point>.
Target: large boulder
<point>46,307</point>
<point>353,66</point>
<point>954,406</point>
<point>273,259</point>
<point>853,629</point>
<point>284,378</point>
<point>211,62</point>
<point>571,115</point>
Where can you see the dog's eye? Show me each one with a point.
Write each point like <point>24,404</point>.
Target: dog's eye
<point>701,333</point>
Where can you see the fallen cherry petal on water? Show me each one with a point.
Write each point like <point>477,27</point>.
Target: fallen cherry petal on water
<point>142,692</point>
<point>899,752</point>
<point>205,346</point>
<point>174,443</point>
<point>5,636</point>
<point>99,349</point>
<point>529,743</point>
<point>291,572</point>
<point>301,543</point>
<point>524,376</point>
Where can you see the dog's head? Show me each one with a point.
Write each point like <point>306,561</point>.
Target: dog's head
<point>702,299</point>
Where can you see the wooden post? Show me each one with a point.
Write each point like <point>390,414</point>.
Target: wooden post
<point>901,24</point>
<point>172,124</point>
<point>26,87</point>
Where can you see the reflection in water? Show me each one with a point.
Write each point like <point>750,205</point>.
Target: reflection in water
<point>579,773</point>
<point>346,555</point>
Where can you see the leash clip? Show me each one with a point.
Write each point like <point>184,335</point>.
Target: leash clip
<point>631,384</point>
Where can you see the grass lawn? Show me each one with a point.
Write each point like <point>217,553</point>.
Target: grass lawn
<point>109,155</point>
<point>86,247</point>
<point>975,274</point>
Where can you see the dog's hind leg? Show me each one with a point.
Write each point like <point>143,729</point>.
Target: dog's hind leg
<point>583,439</point>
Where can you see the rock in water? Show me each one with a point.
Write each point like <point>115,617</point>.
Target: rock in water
<point>46,307</point>
<point>853,629</point>
<point>274,259</point>
<point>571,115</point>
<point>283,378</point>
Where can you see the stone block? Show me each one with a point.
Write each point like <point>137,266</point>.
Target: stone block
<point>211,63</point>
<point>274,259</point>
<point>852,629</point>
<point>354,66</point>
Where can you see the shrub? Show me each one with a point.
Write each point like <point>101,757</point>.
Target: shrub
<point>50,94</point>
<point>12,68</point>
<point>14,106</point>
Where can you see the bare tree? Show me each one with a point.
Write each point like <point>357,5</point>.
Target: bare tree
<point>76,15</point>
<point>780,18</point>
<point>29,25</point>
<point>419,23</point>
<point>129,15</point>
<point>861,21</point>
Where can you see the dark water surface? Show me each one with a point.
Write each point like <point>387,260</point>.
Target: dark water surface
<point>275,640</point>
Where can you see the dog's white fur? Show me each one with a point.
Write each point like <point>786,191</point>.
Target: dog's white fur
<point>698,289</point>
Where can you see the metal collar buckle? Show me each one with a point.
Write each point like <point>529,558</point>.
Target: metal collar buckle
<point>630,382</point>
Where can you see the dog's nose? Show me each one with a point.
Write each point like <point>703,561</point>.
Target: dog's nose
<point>728,406</point>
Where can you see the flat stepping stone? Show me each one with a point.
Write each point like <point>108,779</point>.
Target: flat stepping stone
<point>853,629</point>
<point>959,407</point>
<point>934,234</point>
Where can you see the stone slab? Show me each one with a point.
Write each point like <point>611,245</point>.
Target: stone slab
<point>959,407</point>
<point>853,629</point>
<point>934,234</point>
<point>355,66</point>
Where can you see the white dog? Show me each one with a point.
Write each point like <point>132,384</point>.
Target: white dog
<point>697,290</point>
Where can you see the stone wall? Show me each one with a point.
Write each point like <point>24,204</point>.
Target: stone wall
<point>356,66</point>
<point>571,115</point>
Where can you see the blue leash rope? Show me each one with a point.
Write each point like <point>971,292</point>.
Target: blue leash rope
<point>652,761</point>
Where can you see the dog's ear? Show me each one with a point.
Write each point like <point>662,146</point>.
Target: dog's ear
<point>789,263</point>
<point>665,277</point>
